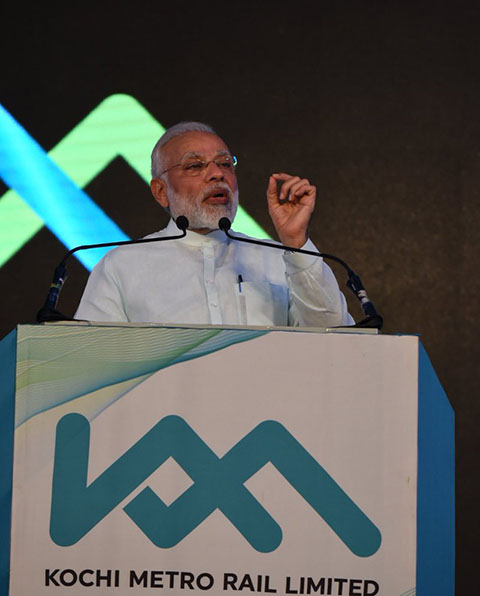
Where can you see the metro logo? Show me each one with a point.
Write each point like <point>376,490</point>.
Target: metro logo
<point>218,484</point>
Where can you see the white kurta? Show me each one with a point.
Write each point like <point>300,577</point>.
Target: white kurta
<point>210,279</point>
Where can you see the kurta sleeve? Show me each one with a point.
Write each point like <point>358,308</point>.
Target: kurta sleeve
<point>315,298</point>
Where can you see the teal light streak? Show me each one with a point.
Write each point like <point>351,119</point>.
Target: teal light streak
<point>66,209</point>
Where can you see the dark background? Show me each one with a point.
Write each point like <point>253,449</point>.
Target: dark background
<point>376,102</point>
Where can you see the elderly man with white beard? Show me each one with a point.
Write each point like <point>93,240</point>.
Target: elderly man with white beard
<point>206,278</point>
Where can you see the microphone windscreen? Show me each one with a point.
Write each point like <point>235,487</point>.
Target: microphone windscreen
<point>182,223</point>
<point>224,224</point>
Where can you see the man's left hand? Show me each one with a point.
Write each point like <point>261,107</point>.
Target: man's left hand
<point>291,207</point>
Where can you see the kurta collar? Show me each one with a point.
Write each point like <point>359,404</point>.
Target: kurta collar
<point>194,239</point>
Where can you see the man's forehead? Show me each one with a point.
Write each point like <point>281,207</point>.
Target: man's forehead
<point>201,144</point>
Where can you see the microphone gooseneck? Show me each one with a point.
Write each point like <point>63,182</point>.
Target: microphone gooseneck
<point>354,283</point>
<point>49,311</point>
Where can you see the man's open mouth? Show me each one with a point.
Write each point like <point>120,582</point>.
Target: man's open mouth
<point>218,196</point>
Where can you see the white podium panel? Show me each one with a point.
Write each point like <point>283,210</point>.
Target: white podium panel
<point>222,461</point>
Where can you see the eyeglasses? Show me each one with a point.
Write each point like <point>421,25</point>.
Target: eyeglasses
<point>195,167</point>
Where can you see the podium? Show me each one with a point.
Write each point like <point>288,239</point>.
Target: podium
<point>153,459</point>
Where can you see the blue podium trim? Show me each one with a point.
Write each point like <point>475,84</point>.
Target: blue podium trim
<point>436,485</point>
<point>8,353</point>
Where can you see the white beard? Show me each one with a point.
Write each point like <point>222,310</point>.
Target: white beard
<point>202,215</point>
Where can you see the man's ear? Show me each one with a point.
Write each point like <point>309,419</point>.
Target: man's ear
<point>159,191</point>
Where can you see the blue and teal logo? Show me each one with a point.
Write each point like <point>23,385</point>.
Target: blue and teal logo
<point>218,483</point>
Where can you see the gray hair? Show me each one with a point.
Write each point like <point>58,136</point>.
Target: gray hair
<point>158,159</point>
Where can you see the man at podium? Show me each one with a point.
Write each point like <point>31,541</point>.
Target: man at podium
<point>206,277</point>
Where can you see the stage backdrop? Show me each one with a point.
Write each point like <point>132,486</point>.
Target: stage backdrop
<point>375,102</point>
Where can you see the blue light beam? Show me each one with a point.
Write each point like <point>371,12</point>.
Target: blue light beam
<point>64,207</point>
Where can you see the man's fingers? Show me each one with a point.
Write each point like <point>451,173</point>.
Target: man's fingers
<point>287,187</point>
<point>292,187</point>
<point>287,180</point>
<point>297,188</point>
<point>303,189</point>
<point>272,192</point>
<point>272,186</point>
<point>282,176</point>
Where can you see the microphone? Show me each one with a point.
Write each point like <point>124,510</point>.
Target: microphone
<point>372,318</point>
<point>48,311</point>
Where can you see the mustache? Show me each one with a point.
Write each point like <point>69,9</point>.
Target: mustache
<point>217,187</point>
